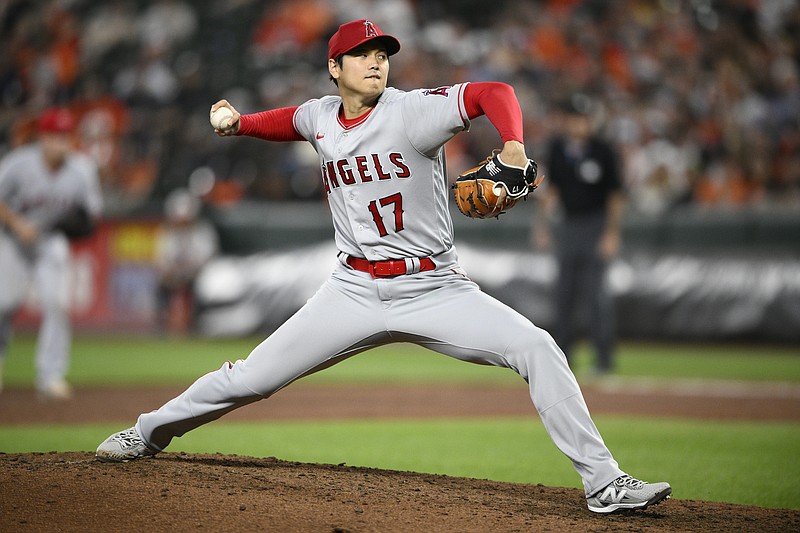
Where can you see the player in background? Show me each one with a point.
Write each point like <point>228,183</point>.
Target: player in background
<point>381,156</point>
<point>47,191</point>
<point>583,180</point>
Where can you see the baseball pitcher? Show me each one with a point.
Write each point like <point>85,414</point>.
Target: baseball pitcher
<point>398,279</point>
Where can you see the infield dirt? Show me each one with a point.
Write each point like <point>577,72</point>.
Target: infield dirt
<point>177,492</point>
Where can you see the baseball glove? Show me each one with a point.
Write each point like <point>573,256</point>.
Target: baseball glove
<point>492,188</point>
<point>75,224</point>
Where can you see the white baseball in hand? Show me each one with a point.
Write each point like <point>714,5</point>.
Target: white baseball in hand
<point>221,118</point>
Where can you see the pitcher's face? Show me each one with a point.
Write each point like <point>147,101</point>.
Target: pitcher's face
<point>364,70</point>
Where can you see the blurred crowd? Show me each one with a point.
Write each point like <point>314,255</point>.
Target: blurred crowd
<point>700,97</point>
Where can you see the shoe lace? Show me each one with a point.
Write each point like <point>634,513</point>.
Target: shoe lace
<point>630,482</point>
<point>128,438</point>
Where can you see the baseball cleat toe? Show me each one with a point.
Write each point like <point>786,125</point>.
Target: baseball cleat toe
<point>123,447</point>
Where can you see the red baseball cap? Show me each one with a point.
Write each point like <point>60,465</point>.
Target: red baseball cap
<point>355,33</point>
<point>56,120</point>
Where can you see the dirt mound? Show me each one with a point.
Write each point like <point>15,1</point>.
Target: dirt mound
<point>181,492</point>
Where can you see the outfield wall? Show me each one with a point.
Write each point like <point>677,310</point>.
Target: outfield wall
<point>693,275</point>
<point>248,228</point>
<point>696,274</point>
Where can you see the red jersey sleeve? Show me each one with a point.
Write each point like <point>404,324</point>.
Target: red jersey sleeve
<point>500,105</point>
<point>273,125</point>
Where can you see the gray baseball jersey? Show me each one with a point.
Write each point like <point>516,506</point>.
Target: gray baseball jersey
<point>380,208</point>
<point>388,193</point>
<point>43,195</point>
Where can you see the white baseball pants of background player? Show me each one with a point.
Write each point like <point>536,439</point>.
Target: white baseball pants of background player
<point>46,264</point>
<point>442,310</point>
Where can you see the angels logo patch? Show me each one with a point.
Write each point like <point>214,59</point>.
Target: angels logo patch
<point>439,91</point>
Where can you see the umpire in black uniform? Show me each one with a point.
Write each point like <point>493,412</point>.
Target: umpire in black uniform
<point>583,178</point>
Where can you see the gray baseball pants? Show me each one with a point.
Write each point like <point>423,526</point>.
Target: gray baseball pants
<point>441,310</point>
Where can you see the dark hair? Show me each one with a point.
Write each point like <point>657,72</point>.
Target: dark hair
<point>338,60</point>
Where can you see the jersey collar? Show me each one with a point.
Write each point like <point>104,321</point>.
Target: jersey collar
<point>350,123</point>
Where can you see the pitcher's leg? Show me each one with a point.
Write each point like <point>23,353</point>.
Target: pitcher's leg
<point>207,399</point>
<point>562,408</point>
<point>333,325</point>
<point>464,323</point>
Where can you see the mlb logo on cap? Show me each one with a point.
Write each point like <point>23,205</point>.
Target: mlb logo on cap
<point>353,34</point>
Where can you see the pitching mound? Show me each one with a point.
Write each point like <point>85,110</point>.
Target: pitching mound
<point>183,492</point>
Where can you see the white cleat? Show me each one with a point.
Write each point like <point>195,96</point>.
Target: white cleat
<point>627,494</point>
<point>123,447</point>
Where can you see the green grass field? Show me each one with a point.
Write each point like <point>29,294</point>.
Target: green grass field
<point>755,463</point>
<point>134,361</point>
